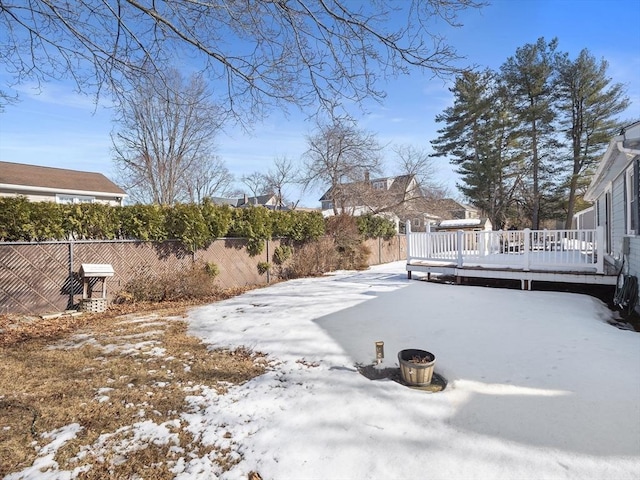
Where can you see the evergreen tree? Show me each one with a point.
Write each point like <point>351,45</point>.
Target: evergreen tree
<point>588,104</point>
<point>529,79</point>
<point>478,138</point>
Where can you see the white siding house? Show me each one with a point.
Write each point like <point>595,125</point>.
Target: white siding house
<point>614,191</point>
<point>47,184</point>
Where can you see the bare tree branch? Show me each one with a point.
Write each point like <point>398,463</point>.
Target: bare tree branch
<point>339,154</point>
<point>264,53</point>
<point>164,147</point>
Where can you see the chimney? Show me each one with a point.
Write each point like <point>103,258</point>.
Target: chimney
<point>245,199</point>
<point>366,176</point>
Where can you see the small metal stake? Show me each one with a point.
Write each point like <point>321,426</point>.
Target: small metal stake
<point>379,352</point>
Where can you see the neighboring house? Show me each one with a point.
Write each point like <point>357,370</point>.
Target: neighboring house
<point>449,209</point>
<point>399,198</point>
<point>359,198</point>
<point>465,224</point>
<point>614,191</point>
<point>269,201</point>
<point>48,184</point>
<point>427,213</point>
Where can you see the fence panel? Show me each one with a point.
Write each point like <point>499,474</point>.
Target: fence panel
<point>387,251</point>
<point>34,278</point>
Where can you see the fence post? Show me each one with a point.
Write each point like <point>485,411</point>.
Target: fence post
<point>268,269</point>
<point>71,282</point>
<point>459,238</point>
<point>407,232</point>
<point>527,248</point>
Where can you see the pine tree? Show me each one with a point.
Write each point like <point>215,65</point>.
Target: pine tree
<point>588,104</point>
<point>478,138</point>
<point>529,78</point>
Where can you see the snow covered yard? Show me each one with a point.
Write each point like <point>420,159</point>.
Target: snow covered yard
<point>540,386</point>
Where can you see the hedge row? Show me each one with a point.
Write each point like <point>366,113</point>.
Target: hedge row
<point>196,225</point>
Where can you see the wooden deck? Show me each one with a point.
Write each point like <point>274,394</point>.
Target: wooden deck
<point>567,256</point>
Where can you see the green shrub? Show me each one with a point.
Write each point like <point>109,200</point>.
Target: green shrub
<point>212,269</point>
<point>217,217</point>
<point>375,226</point>
<point>297,225</point>
<point>22,220</point>
<point>281,254</point>
<point>143,222</point>
<point>186,223</point>
<point>263,267</point>
<point>87,221</point>
<point>254,224</point>
<point>195,225</point>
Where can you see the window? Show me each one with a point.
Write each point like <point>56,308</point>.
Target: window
<point>73,199</point>
<point>416,222</point>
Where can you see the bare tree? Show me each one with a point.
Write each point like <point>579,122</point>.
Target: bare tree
<point>256,183</point>
<point>208,178</point>
<point>264,52</point>
<point>278,177</point>
<point>165,140</point>
<point>418,163</point>
<point>341,157</point>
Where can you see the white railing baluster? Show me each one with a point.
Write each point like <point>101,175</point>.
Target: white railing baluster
<point>525,249</point>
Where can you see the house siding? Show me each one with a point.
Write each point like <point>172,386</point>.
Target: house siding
<point>619,231</point>
<point>634,256</point>
<point>34,196</point>
<point>618,216</point>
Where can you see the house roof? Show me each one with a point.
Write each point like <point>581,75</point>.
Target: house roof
<point>444,207</point>
<point>463,223</point>
<point>19,174</point>
<point>262,200</point>
<point>398,185</point>
<point>259,200</point>
<point>621,150</point>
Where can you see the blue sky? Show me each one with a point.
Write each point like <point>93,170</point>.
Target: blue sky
<point>59,128</point>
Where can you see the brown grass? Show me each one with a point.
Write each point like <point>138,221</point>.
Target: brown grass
<point>52,372</point>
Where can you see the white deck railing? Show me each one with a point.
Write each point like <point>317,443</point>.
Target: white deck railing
<point>561,250</point>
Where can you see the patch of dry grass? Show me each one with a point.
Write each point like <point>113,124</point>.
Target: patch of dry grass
<point>107,373</point>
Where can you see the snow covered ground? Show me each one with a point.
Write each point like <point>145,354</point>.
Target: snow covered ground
<point>540,386</point>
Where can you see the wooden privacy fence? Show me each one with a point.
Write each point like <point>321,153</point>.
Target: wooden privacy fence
<point>42,277</point>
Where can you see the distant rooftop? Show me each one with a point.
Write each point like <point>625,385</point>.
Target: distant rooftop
<point>56,178</point>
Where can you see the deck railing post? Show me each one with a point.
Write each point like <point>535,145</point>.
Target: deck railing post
<point>482,243</point>
<point>527,249</point>
<point>407,232</point>
<point>460,235</point>
<point>599,249</point>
